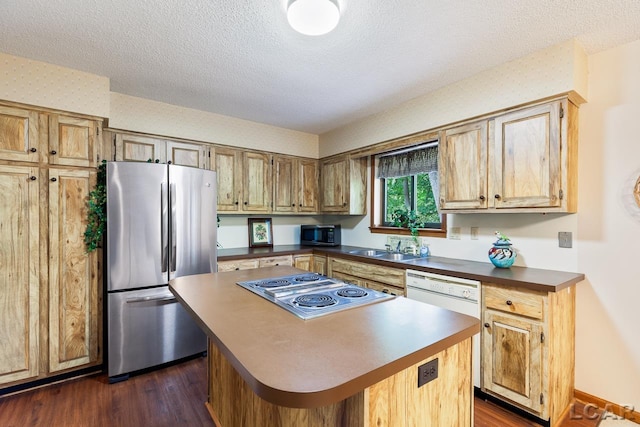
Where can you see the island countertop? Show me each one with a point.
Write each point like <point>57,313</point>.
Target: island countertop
<point>310,363</point>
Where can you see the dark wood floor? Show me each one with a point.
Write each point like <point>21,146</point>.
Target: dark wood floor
<point>172,396</point>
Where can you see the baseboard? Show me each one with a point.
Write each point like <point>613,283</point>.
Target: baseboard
<point>626,412</point>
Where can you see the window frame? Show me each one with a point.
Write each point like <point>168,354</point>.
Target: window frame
<point>377,209</point>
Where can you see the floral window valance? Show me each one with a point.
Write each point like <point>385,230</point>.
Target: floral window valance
<point>422,159</point>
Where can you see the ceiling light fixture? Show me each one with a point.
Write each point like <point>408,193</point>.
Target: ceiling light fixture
<point>313,17</point>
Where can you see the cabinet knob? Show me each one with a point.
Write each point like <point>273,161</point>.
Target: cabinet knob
<point>246,203</point>
<point>486,325</point>
<point>53,179</point>
<point>169,162</point>
<point>33,150</point>
<point>497,196</point>
<point>32,178</point>
<point>482,197</point>
<point>236,203</point>
<point>300,205</point>
<point>293,204</point>
<point>54,152</point>
<point>157,160</point>
<point>509,302</point>
<point>237,268</point>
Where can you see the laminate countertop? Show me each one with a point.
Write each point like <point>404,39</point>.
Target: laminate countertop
<point>311,363</point>
<point>520,277</point>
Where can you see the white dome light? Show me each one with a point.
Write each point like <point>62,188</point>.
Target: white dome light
<point>313,17</point>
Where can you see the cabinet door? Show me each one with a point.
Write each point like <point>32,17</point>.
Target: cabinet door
<point>185,154</point>
<point>320,264</point>
<point>307,185</point>
<point>284,184</point>
<point>73,287</point>
<point>256,185</point>
<point>463,167</point>
<point>303,262</point>
<point>512,358</point>
<point>133,148</point>
<point>19,135</point>
<point>72,141</point>
<point>19,273</point>
<point>227,164</point>
<point>526,158</point>
<point>335,185</point>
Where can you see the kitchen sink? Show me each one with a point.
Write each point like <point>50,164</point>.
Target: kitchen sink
<point>394,256</point>
<point>368,252</point>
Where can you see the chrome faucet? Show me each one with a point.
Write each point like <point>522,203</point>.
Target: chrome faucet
<point>398,247</point>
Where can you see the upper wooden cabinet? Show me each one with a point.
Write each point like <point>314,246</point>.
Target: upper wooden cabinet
<point>73,141</point>
<point>227,163</point>
<point>143,149</point>
<point>244,180</point>
<point>19,135</point>
<point>256,183</point>
<point>295,184</point>
<point>19,272</point>
<point>520,161</point>
<point>344,185</point>
<point>463,149</point>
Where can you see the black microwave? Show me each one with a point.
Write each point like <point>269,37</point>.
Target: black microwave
<point>320,235</point>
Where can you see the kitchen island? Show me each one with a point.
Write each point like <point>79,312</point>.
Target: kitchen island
<point>351,368</point>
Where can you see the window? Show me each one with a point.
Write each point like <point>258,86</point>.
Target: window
<point>406,191</point>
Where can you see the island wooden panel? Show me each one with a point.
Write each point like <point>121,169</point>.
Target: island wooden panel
<point>395,401</point>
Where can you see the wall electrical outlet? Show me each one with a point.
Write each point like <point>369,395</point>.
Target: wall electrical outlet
<point>564,239</point>
<point>454,233</point>
<point>427,372</point>
<point>474,233</point>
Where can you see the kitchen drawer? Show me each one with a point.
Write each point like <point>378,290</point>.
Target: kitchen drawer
<point>387,289</point>
<point>276,260</point>
<point>514,301</point>
<point>241,264</point>
<point>391,276</point>
<point>348,279</point>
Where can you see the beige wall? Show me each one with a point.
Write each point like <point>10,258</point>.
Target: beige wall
<point>549,72</point>
<point>608,318</point>
<point>143,115</point>
<point>45,85</point>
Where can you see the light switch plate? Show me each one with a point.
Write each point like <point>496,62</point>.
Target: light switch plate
<point>454,233</point>
<point>474,233</point>
<point>565,239</point>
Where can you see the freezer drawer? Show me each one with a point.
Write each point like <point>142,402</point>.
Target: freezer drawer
<point>147,328</point>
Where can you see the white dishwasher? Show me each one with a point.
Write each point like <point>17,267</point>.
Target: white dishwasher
<point>451,293</point>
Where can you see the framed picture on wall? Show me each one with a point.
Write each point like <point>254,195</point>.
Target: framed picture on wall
<point>260,232</point>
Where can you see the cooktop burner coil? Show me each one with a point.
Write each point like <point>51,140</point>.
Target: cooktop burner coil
<point>352,293</point>
<point>272,283</point>
<point>315,300</point>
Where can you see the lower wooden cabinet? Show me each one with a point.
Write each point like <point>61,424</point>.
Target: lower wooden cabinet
<point>19,273</point>
<point>73,279</point>
<point>528,348</point>
<point>303,262</point>
<point>50,291</point>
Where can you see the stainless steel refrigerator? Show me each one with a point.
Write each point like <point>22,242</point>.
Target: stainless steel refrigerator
<point>161,224</point>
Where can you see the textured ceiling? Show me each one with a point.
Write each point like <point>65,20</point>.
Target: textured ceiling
<point>240,58</point>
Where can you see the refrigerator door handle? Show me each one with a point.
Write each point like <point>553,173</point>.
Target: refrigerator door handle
<point>148,299</point>
<point>165,226</point>
<point>172,199</point>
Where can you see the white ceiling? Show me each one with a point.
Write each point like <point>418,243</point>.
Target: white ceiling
<point>240,58</point>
